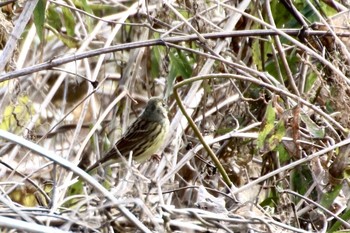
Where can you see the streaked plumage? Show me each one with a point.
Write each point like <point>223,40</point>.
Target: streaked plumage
<point>144,137</point>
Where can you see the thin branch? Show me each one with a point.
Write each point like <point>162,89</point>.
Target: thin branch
<point>221,35</point>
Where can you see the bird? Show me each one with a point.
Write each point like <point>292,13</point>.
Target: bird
<point>143,137</point>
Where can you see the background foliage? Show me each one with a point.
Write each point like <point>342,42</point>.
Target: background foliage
<point>258,96</point>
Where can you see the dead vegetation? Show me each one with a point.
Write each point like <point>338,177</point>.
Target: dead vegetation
<point>258,96</point>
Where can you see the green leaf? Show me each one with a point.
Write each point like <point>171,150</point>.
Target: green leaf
<point>292,60</point>
<point>268,126</point>
<point>88,19</point>
<point>75,189</point>
<point>180,65</point>
<point>310,80</point>
<point>15,114</point>
<point>329,197</point>
<point>268,202</point>
<point>284,19</point>
<point>53,18</point>
<point>337,224</point>
<point>256,54</point>
<point>156,60</point>
<point>69,41</point>
<point>69,21</point>
<point>283,154</point>
<point>39,18</point>
<point>186,63</point>
<point>278,134</point>
<point>313,128</point>
<point>301,179</point>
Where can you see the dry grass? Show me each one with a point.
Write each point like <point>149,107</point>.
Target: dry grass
<point>258,110</point>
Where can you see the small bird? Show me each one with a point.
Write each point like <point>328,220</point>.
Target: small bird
<point>143,137</point>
